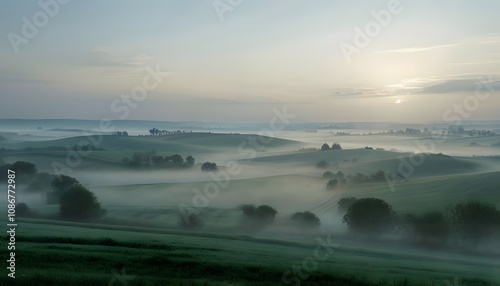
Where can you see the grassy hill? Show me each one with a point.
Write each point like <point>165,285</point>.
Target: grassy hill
<point>80,254</point>
<point>189,142</point>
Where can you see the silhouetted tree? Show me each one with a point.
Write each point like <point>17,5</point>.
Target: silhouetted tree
<point>22,210</point>
<point>336,146</point>
<point>325,147</point>
<point>78,203</point>
<point>190,160</point>
<point>158,160</point>
<point>475,220</point>
<point>328,175</point>
<point>305,219</point>
<point>369,216</point>
<point>209,167</point>
<point>177,159</point>
<point>265,212</point>
<point>429,228</point>
<point>332,184</point>
<point>248,210</point>
<point>262,213</point>
<point>62,183</point>
<point>322,164</point>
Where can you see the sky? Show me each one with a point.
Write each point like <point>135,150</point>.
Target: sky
<point>237,60</point>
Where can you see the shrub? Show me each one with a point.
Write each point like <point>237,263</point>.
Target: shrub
<point>305,219</point>
<point>370,216</point>
<point>78,203</point>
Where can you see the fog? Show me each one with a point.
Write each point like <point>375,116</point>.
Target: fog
<point>281,176</point>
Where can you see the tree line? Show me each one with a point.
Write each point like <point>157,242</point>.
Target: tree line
<point>464,224</point>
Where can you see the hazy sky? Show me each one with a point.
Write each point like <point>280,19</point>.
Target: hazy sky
<point>232,60</point>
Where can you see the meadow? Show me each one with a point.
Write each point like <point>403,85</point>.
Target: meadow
<point>140,241</point>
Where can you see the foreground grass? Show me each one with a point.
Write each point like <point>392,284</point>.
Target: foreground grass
<point>78,254</point>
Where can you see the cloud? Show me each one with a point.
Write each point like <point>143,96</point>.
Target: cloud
<point>418,49</point>
<point>460,85</point>
<point>114,62</point>
<point>488,39</point>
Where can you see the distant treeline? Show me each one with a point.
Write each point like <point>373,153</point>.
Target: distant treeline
<point>151,159</point>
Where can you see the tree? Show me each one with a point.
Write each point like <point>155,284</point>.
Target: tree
<point>262,213</point>
<point>341,177</point>
<point>248,210</point>
<point>322,164</point>
<point>336,146</point>
<point>345,203</point>
<point>190,160</point>
<point>332,184</point>
<point>475,220</point>
<point>177,159</point>
<point>62,183</point>
<point>190,221</point>
<point>305,219</point>
<point>209,167</point>
<point>78,203</point>
<point>428,228</point>
<point>369,216</point>
<point>325,147</point>
<point>154,131</point>
<point>124,133</point>
<point>265,212</point>
<point>379,176</point>
<point>24,170</point>
<point>22,210</point>
<point>328,175</point>
<point>158,160</point>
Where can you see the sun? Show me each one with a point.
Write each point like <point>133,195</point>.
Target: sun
<point>399,101</point>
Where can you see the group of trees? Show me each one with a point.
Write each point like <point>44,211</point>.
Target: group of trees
<point>335,146</point>
<point>265,214</point>
<point>148,159</point>
<point>209,167</point>
<point>24,170</point>
<point>75,201</point>
<point>156,131</point>
<point>121,133</point>
<point>336,179</point>
<point>468,222</point>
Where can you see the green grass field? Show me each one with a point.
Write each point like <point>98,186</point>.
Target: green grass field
<point>81,254</point>
<point>140,234</point>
